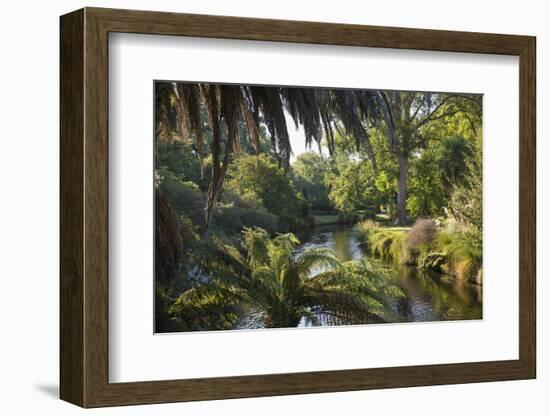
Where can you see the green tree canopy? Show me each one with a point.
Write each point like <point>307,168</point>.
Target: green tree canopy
<point>309,173</point>
<point>261,177</point>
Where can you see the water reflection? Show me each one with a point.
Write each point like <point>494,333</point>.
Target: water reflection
<point>341,239</point>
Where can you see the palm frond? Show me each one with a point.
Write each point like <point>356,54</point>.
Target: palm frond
<point>189,98</point>
<point>343,304</point>
<point>205,307</point>
<point>314,261</point>
<point>256,244</point>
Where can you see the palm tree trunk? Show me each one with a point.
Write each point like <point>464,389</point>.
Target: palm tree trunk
<point>403,162</point>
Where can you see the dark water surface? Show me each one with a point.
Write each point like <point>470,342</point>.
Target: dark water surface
<point>432,296</point>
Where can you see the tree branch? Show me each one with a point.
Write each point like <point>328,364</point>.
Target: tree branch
<point>429,117</point>
<point>416,111</point>
<point>447,114</point>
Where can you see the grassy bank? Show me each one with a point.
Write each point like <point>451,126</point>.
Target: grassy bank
<point>343,218</point>
<point>424,245</point>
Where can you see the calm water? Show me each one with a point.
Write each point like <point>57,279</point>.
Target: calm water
<point>432,296</point>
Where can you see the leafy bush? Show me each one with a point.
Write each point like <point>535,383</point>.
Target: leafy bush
<point>308,176</point>
<point>467,199</point>
<point>177,161</point>
<point>425,196</point>
<point>232,217</point>
<point>189,231</point>
<point>186,198</point>
<point>454,152</point>
<point>260,177</point>
<point>352,188</point>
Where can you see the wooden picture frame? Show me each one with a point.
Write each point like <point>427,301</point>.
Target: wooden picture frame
<point>84,207</point>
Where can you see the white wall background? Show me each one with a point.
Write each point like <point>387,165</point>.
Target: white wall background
<point>29,210</point>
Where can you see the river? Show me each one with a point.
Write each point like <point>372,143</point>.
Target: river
<point>432,296</point>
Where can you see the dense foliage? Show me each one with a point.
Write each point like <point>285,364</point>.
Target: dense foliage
<point>280,289</point>
<point>231,197</point>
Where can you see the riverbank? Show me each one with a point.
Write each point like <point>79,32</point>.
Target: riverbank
<point>342,218</point>
<point>432,296</point>
<point>445,251</point>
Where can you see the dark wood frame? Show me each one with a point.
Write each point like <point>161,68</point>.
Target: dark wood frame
<point>84,207</point>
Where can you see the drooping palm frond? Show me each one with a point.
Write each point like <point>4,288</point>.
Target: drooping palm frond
<point>163,111</point>
<point>345,306</point>
<point>188,103</point>
<point>251,123</point>
<point>316,260</point>
<point>255,243</point>
<point>374,294</point>
<point>317,111</point>
<point>268,101</point>
<point>305,108</point>
<point>353,108</point>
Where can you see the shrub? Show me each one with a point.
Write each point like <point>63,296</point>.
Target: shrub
<point>270,185</point>
<point>238,211</point>
<point>308,176</point>
<point>464,259</point>
<point>189,231</point>
<point>366,226</point>
<point>388,245</point>
<point>177,161</point>
<point>467,199</point>
<point>186,198</point>
<point>423,232</point>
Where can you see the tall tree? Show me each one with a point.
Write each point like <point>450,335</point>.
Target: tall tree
<point>405,114</point>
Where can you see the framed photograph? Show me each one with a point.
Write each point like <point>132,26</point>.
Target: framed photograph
<point>257,207</point>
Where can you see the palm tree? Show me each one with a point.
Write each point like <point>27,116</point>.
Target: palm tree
<point>281,288</point>
<point>318,111</point>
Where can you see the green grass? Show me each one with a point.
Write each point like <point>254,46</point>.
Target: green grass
<point>388,244</point>
<point>337,219</point>
<point>382,217</point>
<point>402,229</point>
